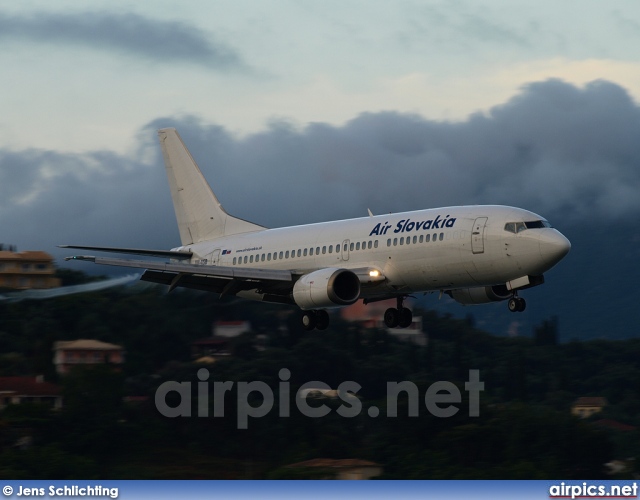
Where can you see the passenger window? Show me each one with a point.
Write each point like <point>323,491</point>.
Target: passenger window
<point>421,238</point>
<point>280,255</point>
<point>375,244</point>
<point>402,240</point>
<point>269,256</point>
<point>299,252</point>
<point>286,255</point>
<point>415,240</point>
<point>304,253</point>
<point>427,238</point>
<point>351,246</point>
<point>330,248</point>
<point>344,249</point>
<point>324,250</point>
<point>311,251</point>
<point>395,242</point>
<point>441,236</point>
<point>317,250</point>
<point>251,259</point>
<point>245,259</point>
<point>358,246</point>
<point>262,259</point>
<point>389,242</point>
<point>234,261</point>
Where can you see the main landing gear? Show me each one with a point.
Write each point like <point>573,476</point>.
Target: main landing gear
<point>398,317</point>
<point>315,319</point>
<point>516,304</point>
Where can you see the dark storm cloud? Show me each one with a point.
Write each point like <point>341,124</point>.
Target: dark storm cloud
<point>49,198</point>
<point>555,148</point>
<point>568,153</point>
<point>128,33</point>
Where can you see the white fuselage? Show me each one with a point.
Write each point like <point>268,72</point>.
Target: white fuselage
<point>476,254</point>
<point>435,249</point>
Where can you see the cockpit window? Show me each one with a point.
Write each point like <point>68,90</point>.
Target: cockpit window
<point>517,227</point>
<point>537,224</point>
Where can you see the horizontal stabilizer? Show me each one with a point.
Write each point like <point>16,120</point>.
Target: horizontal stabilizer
<point>172,254</point>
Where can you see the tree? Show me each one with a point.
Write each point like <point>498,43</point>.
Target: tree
<point>547,332</point>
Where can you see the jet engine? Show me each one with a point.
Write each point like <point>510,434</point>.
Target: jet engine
<point>480,295</point>
<point>326,288</point>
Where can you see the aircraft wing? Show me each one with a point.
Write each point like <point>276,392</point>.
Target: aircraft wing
<point>275,285</point>
<point>220,279</point>
<point>173,254</point>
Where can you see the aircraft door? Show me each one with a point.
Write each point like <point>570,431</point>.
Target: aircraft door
<point>477,235</point>
<point>214,257</point>
<point>345,250</point>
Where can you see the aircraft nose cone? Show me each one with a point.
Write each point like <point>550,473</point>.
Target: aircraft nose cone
<point>553,246</point>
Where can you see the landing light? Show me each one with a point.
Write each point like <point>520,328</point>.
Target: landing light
<point>374,274</point>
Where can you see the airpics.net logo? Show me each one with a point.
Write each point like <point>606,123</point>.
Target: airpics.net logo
<point>586,490</point>
<point>441,399</point>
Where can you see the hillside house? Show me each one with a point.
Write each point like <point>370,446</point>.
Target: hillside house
<point>83,352</point>
<point>26,270</point>
<point>586,406</point>
<point>20,390</point>
<point>349,468</point>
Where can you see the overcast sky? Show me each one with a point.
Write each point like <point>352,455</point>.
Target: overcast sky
<point>301,111</point>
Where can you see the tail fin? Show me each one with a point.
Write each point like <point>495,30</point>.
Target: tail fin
<point>199,213</point>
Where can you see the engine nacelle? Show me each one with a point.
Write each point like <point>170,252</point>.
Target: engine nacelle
<point>480,295</point>
<point>326,288</point>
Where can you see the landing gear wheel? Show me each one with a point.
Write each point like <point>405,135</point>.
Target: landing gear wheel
<point>516,304</point>
<point>322,319</point>
<point>391,317</point>
<point>309,320</point>
<point>406,318</point>
<point>513,305</point>
<point>398,316</point>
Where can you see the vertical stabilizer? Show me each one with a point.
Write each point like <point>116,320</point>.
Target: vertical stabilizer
<point>199,213</point>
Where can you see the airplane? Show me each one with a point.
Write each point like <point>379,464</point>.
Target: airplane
<point>476,254</point>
